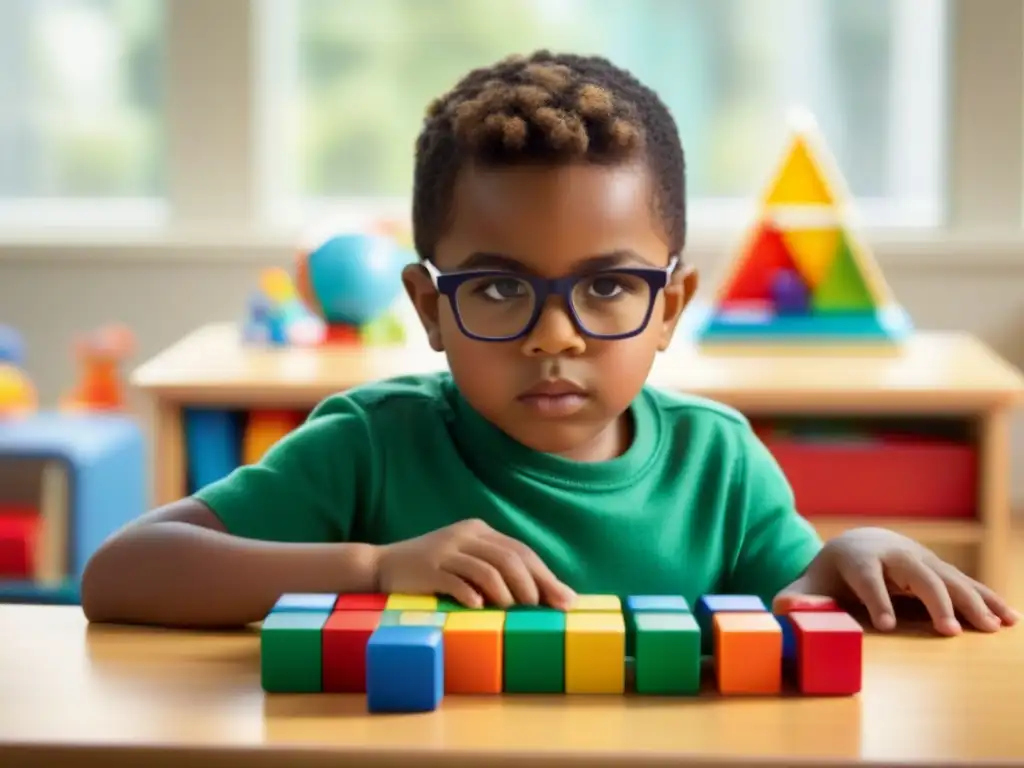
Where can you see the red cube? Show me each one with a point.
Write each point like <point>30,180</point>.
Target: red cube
<point>829,653</point>
<point>355,601</point>
<point>344,638</point>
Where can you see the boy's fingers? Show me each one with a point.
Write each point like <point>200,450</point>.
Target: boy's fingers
<point>996,604</point>
<point>924,584</point>
<point>552,591</point>
<point>514,573</point>
<point>484,577</point>
<point>458,589</point>
<point>866,580</point>
<point>967,599</point>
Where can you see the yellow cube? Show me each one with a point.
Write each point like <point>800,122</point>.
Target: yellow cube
<point>475,621</point>
<point>422,618</point>
<point>411,603</point>
<point>595,652</point>
<point>586,603</point>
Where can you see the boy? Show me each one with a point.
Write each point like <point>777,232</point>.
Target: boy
<point>549,215</point>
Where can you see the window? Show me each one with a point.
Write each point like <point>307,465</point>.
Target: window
<point>81,107</point>
<point>348,82</point>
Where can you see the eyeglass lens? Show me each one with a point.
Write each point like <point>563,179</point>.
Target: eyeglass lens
<point>607,304</point>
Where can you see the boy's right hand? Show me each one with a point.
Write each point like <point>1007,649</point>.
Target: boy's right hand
<point>472,563</point>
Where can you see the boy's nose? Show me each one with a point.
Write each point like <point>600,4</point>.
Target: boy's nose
<point>555,333</point>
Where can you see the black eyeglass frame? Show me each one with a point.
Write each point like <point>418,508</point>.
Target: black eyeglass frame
<point>448,283</point>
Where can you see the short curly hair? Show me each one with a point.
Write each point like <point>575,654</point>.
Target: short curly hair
<point>546,108</point>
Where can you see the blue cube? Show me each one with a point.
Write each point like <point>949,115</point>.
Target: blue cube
<point>405,669</point>
<point>709,605</point>
<point>298,601</point>
<point>657,603</point>
<point>788,638</point>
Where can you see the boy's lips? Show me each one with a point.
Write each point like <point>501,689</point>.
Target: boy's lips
<point>555,397</point>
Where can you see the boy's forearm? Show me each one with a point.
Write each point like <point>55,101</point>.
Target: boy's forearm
<point>186,575</point>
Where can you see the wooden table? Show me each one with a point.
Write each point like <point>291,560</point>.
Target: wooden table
<point>111,696</point>
<point>938,374</point>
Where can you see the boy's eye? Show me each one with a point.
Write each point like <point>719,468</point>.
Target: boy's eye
<point>605,287</point>
<point>502,289</point>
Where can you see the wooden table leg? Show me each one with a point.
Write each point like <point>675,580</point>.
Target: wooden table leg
<point>994,498</point>
<point>169,441</point>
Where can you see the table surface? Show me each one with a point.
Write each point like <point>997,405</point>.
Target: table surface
<point>934,371</point>
<point>926,700</point>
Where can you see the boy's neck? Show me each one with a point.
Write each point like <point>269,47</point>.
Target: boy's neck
<point>610,443</point>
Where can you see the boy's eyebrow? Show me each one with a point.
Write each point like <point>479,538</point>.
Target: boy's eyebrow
<point>610,260</point>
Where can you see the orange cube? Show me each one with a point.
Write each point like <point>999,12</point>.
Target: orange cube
<point>473,651</point>
<point>748,653</point>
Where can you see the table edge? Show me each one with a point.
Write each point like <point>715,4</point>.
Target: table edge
<point>158,755</point>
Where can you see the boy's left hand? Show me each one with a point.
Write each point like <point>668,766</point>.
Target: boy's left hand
<point>871,564</point>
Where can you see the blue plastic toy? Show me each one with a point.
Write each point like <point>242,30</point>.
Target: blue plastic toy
<point>404,669</point>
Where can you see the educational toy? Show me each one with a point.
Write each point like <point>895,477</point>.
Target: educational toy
<point>473,651</point>
<point>667,653</point>
<point>829,649</point>
<point>100,356</point>
<point>748,652</point>
<point>67,482</point>
<point>595,652</point>
<point>405,652</point>
<point>535,651</point>
<point>803,278</point>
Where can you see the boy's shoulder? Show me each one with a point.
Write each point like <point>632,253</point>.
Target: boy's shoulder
<point>678,406</point>
<point>424,394</point>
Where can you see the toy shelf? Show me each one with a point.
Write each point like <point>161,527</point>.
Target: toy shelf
<point>66,483</point>
<point>918,442</point>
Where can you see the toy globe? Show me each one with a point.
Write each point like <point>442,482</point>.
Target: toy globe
<point>351,280</point>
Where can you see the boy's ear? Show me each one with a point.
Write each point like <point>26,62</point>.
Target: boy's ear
<point>421,291</point>
<point>678,294</point>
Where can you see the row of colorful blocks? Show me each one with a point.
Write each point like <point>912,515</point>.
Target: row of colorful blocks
<point>406,651</point>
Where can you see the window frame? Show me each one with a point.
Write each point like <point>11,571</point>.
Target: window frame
<point>216,102</point>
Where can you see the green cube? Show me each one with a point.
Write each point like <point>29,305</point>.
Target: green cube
<point>291,659</point>
<point>389,618</point>
<point>534,651</point>
<point>667,654</point>
<point>447,605</point>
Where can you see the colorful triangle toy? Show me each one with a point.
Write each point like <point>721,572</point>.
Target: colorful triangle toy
<point>802,278</point>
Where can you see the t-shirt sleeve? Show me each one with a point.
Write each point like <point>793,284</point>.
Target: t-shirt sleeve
<point>775,543</point>
<point>306,488</point>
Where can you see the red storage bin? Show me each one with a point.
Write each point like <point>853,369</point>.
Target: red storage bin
<point>899,477</point>
<point>19,529</point>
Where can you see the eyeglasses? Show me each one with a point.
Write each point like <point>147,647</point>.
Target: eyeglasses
<point>497,305</point>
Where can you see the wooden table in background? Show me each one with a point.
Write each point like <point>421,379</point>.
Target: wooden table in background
<point>938,374</point>
<point>111,696</point>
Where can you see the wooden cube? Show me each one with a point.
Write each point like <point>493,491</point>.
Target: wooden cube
<point>535,651</point>
<point>411,603</point>
<point>586,603</point>
<point>354,601</point>
<point>345,635</point>
<point>667,653</point>
<point>748,653</point>
<point>473,651</point>
<point>290,651</point>
<point>829,653</point>
<point>300,601</point>
<point>595,652</point>
<point>405,669</point>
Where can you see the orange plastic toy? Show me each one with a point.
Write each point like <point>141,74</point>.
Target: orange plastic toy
<point>100,356</point>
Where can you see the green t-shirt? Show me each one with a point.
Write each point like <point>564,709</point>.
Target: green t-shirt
<point>696,505</point>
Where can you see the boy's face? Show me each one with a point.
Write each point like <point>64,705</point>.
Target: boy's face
<point>552,222</point>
